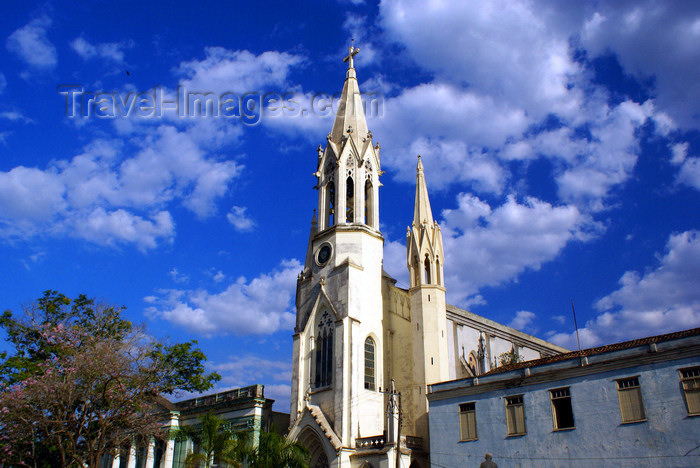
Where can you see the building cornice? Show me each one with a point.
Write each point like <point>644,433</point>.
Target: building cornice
<point>575,366</point>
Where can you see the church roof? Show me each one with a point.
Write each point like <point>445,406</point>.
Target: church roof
<point>598,350</point>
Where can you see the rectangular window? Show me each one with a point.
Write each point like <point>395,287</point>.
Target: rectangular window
<point>562,412</point>
<point>467,421</point>
<point>630,395</point>
<point>690,378</point>
<point>515,415</point>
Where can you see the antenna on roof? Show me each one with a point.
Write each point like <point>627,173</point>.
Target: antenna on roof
<point>575,326</point>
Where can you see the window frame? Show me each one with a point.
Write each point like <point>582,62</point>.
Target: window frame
<point>563,395</point>
<point>517,407</point>
<point>467,416</point>
<point>373,384</point>
<point>324,352</point>
<point>630,386</point>
<point>693,375</point>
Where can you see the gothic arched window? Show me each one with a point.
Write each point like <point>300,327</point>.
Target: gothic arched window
<point>369,203</point>
<point>350,201</point>
<point>330,203</point>
<point>427,270</point>
<point>324,351</point>
<point>437,272</point>
<point>369,364</point>
<point>416,272</point>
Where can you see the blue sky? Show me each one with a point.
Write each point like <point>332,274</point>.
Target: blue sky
<point>561,144</point>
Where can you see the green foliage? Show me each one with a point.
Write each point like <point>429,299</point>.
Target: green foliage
<point>184,366</point>
<point>277,451</point>
<point>81,380</point>
<point>216,443</point>
<point>52,309</point>
<point>509,358</point>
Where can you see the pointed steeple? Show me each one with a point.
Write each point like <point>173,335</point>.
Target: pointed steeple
<point>422,212</point>
<point>309,247</point>
<point>424,253</point>
<point>348,167</point>
<point>350,118</point>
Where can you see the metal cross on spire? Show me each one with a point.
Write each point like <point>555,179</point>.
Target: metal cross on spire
<point>349,58</point>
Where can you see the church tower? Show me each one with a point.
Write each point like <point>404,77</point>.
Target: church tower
<point>425,257</point>
<point>338,340</point>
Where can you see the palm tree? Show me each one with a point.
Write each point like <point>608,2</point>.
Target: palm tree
<point>215,443</point>
<point>276,451</point>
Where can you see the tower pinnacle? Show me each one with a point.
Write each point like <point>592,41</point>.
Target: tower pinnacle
<point>422,212</point>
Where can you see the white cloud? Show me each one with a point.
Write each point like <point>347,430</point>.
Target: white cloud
<point>130,180</point>
<point>29,195</point>
<point>661,300</point>
<point>178,277</point>
<point>121,227</point>
<point>240,371</point>
<point>522,320</point>
<point>503,48</point>
<point>15,116</point>
<point>608,159</point>
<point>653,39</point>
<point>108,196</point>
<point>361,31</point>
<point>449,161</point>
<point>690,173</point>
<point>680,152</point>
<point>490,246</point>
<point>239,219</point>
<point>219,276</point>
<point>31,44</point>
<point>238,71</point>
<point>113,51</point>
<point>262,305</point>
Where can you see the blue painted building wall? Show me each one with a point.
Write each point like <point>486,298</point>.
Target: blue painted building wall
<point>668,438</point>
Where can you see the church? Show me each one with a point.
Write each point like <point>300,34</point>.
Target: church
<point>365,350</point>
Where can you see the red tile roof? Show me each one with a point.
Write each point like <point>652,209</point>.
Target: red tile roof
<point>598,350</point>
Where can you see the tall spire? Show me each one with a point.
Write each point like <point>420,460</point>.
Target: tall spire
<point>422,212</point>
<point>350,118</point>
<point>309,247</point>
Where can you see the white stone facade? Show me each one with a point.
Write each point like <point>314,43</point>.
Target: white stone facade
<point>359,339</point>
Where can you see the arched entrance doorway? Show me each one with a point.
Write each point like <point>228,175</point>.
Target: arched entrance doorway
<point>309,439</point>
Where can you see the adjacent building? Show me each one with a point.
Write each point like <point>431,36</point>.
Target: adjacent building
<point>631,404</point>
<point>241,409</point>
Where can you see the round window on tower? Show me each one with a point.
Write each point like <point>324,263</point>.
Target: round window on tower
<point>323,254</point>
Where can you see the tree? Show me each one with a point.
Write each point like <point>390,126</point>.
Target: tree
<point>82,381</point>
<point>277,451</point>
<point>509,358</point>
<point>216,444</point>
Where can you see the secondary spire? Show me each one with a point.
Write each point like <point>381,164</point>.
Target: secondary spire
<point>422,212</point>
